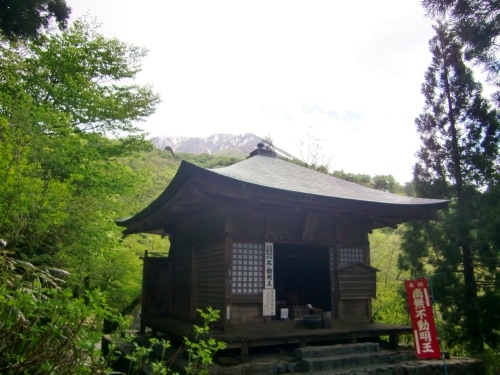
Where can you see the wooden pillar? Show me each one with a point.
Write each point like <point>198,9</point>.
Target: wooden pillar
<point>244,350</point>
<point>302,342</point>
<point>194,276</point>
<point>144,301</point>
<point>393,341</point>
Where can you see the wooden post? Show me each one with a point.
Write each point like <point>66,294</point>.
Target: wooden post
<point>194,276</point>
<point>244,350</point>
<point>302,342</point>
<point>393,341</point>
<point>142,330</point>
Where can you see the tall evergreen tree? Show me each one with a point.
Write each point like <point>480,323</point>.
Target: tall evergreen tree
<point>475,22</point>
<point>459,134</point>
<point>26,18</point>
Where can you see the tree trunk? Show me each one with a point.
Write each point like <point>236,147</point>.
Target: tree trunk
<point>470,287</point>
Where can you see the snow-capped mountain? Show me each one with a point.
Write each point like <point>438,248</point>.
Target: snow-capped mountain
<point>215,144</point>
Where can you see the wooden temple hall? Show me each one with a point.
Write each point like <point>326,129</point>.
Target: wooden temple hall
<point>281,250</point>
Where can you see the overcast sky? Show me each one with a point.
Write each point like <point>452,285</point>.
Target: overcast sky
<point>348,72</point>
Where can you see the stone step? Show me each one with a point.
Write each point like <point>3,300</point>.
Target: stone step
<point>341,361</point>
<point>455,366</point>
<point>330,350</point>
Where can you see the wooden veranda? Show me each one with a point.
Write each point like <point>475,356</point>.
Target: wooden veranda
<point>282,332</point>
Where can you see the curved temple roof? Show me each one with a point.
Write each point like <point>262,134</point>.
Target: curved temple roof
<point>279,174</point>
<point>279,178</point>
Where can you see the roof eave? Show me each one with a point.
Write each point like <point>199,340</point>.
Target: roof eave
<point>175,185</point>
<point>248,191</point>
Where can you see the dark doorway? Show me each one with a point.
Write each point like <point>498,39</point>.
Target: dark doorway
<point>302,275</point>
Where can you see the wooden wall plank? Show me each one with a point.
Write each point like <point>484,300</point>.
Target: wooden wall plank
<point>210,278</point>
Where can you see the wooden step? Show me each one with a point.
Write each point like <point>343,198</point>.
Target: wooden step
<point>455,366</point>
<point>332,350</point>
<point>344,361</point>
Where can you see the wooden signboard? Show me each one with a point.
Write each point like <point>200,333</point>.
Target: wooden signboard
<point>357,281</point>
<point>269,266</point>
<point>269,302</point>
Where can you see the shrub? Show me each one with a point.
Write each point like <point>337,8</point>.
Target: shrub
<point>43,329</point>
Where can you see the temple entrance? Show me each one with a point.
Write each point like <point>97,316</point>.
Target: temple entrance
<point>302,276</point>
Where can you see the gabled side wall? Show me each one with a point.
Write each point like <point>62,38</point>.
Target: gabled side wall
<point>155,301</point>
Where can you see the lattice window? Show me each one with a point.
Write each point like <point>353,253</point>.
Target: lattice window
<point>351,255</point>
<point>248,268</point>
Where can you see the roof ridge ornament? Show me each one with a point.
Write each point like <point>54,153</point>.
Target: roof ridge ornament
<point>263,151</point>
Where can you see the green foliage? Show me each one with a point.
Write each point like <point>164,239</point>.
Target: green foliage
<point>77,72</point>
<point>43,329</point>
<point>379,182</point>
<point>201,350</point>
<point>390,306</point>
<point>62,180</point>
<point>385,247</point>
<point>360,179</point>
<point>24,19</point>
<point>139,357</point>
<point>159,366</point>
<point>458,130</point>
<point>491,361</point>
<point>209,160</point>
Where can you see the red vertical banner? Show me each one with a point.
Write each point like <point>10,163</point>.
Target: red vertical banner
<point>422,319</point>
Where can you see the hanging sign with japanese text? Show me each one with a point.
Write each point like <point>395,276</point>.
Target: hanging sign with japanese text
<point>422,319</point>
<point>268,265</point>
